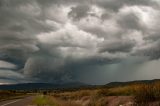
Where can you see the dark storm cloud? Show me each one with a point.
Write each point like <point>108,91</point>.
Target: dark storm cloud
<point>15,47</point>
<point>56,40</point>
<point>60,70</point>
<point>151,51</point>
<point>130,21</point>
<point>44,68</point>
<point>118,46</point>
<point>79,12</point>
<point>115,5</point>
<point>18,27</point>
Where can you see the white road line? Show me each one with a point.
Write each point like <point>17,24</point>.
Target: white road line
<point>11,102</point>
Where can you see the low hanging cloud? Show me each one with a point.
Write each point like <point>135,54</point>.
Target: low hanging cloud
<point>62,41</point>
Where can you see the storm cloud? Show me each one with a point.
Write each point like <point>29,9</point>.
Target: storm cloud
<point>61,41</point>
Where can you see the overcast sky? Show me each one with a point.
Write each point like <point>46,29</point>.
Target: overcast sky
<point>90,41</point>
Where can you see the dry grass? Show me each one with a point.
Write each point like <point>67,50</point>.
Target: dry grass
<point>147,93</point>
<point>98,97</point>
<point>73,95</point>
<point>6,95</point>
<point>136,94</point>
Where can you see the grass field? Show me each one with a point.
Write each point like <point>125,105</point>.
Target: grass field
<point>137,94</point>
<point>134,94</point>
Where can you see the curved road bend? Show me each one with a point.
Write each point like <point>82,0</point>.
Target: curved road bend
<point>18,102</point>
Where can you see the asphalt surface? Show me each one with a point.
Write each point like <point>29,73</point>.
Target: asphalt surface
<point>18,102</point>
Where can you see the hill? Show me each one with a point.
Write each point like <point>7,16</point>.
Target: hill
<point>116,84</point>
<point>78,85</point>
<point>33,86</point>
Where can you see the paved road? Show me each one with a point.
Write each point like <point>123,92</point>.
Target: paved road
<point>18,102</point>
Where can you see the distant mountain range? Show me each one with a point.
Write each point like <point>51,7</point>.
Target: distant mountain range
<point>34,86</point>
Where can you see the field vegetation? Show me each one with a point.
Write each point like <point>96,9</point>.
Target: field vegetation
<point>132,94</point>
<point>11,94</point>
<point>135,94</point>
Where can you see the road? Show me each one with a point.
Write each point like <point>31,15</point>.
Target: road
<point>18,102</point>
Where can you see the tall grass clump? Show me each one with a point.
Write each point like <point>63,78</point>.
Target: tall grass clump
<point>147,93</point>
